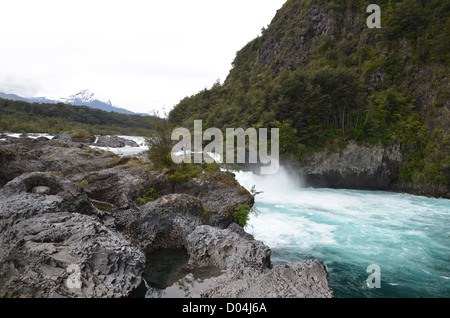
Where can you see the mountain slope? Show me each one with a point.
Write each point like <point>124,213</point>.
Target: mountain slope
<point>324,78</point>
<point>12,97</point>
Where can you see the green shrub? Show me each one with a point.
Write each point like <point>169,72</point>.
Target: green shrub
<point>241,214</point>
<point>80,133</point>
<point>212,167</point>
<point>147,195</point>
<point>83,184</point>
<point>115,160</point>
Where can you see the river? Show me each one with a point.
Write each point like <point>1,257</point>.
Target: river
<point>406,236</point>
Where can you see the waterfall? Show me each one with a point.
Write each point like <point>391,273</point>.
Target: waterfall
<point>276,188</point>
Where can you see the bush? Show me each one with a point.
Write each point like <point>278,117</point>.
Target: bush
<point>83,184</point>
<point>147,195</point>
<point>80,134</point>
<point>213,167</point>
<point>115,161</point>
<point>241,214</point>
<point>160,145</point>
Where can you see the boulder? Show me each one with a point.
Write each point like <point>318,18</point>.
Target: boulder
<point>114,142</point>
<point>41,190</point>
<point>209,246</point>
<point>167,222</point>
<point>220,193</point>
<point>117,185</point>
<point>75,136</point>
<point>19,155</point>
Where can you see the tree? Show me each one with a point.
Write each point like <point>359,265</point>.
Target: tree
<point>161,144</point>
<point>160,154</point>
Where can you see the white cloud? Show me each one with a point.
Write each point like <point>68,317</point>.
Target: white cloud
<point>140,54</point>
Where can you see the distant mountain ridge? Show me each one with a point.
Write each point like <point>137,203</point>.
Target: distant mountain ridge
<point>82,98</point>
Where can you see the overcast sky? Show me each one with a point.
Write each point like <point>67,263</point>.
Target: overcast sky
<point>142,55</point>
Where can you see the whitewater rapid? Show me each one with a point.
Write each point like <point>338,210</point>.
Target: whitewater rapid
<point>407,236</point>
<point>123,151</point>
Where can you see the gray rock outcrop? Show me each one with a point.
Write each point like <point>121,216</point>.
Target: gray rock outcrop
<point>248,272</point>
<point>21,155</point>
<point>117,185</point>
<point>220,193</point>
<point>167,222</point>
<point>308,279</point>
<point>75,137</point>
<point>114,142</point>
<point>43,233</point>
<point>38,252</point>
<point>356,167</point>
<point>25,197</point>
<point>212,247</point>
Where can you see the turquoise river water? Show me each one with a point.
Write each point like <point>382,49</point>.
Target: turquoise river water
<point>406,236</point>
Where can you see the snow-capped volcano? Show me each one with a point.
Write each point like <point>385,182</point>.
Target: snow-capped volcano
<point>85,97</point>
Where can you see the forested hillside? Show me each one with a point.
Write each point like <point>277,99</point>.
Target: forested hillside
<point>17,116</point>
<point>323,77</point>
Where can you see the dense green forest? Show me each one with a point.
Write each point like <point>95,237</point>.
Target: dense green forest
<point>17,116</point>
<point>323,77</point>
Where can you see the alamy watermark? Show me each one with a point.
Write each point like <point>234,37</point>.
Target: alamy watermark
<point>257,147</point>
<point>74,279</point>
<point>374,279</point>
<point>374,20</point>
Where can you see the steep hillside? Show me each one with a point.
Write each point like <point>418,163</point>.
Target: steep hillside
<point>324,78</point>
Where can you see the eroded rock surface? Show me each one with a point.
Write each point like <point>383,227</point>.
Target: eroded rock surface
<point>212,247</point>
<point>166,222</point>
<point>308,279</point>
<point>37,193</point>
<point>37,252</point>
<point>248,272</point>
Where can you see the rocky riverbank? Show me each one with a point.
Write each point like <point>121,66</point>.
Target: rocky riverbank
<point>77,221</point>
